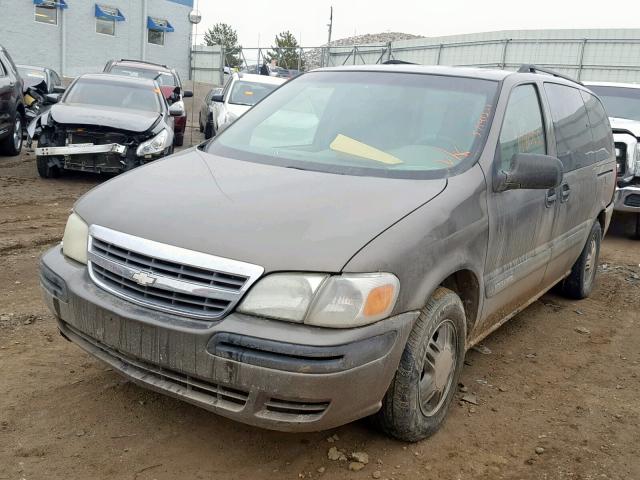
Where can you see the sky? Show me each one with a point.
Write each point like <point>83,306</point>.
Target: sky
<point>257,22</point>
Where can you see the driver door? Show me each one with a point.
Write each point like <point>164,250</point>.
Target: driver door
<point>521,220</point>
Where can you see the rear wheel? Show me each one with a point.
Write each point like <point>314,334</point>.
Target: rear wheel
<point>580,281</point>
<point>636,231</point>
<point>421,392</point>
<point>12,144</point>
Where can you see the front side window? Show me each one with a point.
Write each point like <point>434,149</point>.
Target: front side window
<point>250,93</point>
<point>107,94</point>
<point>522,127</point>
<point>47,12</point>
<point>366,123</point>
<point>570,124</point>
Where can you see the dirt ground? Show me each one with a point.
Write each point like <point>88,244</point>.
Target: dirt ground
<point>562,376</point>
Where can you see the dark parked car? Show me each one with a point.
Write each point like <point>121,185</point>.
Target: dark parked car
<point>105,124</point>
<point>11,106</point>
<point>336,250</point>
<point>32,76</point>
<point>170,85</point>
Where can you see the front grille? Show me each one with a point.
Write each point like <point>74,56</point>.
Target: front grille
<point>295,408</point>
<point>621,158</point>
<point>632,200</point>
<point>81,135</point>
<point>167,278</point>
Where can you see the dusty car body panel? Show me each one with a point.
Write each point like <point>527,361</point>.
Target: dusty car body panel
<point>264,199</point>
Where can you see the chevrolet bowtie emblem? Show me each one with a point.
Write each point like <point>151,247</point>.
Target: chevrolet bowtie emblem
<point>144,279</point>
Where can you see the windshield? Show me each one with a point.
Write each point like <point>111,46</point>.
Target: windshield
<point>164,79</point>
<point>109,94</point>
<point>250,93</point>
<point>365,123</point>
<point>619,102</point>
<point>32,75</point>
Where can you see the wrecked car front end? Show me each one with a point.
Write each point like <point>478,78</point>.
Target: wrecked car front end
<point>126,127</point>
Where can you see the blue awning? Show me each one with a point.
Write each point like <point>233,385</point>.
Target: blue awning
<point>51,3</point>
<point>152,25</point>
<point>100,13</point>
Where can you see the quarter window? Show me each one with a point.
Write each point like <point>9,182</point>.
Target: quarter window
<point>600,128</point>
<point>46,12</point>
<point>570,124</point>
<point>523,128</point>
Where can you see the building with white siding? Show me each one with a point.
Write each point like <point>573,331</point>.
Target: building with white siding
<point>79,36</point>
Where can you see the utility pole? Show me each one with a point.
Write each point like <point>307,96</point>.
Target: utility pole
<point>330,25</point>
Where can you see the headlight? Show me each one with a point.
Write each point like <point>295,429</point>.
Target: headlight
<point>156,145</point>
<point>75,239</point>
<point>340,301</point>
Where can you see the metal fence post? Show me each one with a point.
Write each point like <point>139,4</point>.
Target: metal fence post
<point>504,52</point>
<point>222,63</point>
<point>389,47</point>
<point>355,52</point>
<point>439,53</point>
<point>581,61</point>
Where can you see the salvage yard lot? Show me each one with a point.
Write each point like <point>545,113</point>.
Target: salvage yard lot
<point>557,388</point>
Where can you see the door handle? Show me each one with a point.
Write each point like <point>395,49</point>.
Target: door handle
<point>551,197</point>
<point>566,192</point>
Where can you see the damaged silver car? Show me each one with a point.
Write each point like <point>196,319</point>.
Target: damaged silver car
<point>104,124</point>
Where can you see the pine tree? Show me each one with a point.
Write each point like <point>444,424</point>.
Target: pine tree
<point>223,34</point>
<point>286,51</point>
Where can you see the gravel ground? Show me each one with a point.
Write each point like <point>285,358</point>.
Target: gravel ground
<point>556,388</point>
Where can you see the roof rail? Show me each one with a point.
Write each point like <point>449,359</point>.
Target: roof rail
<point>142,61</point>
<point>530,68</point>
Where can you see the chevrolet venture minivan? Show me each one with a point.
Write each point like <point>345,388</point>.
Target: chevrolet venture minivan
<point>334,253</point>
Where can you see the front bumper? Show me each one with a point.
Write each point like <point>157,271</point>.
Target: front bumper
<point>627,199</point>
<point>81,150</point>
<point>271,374</point>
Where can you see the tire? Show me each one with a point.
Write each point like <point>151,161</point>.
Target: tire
<point>200,125</point>
<point>209,131</point>
<point>579,283</point>
<point>636,230</point>
<point>178,140</point>
<point>409,412</point>
<point>44,164</point>
<point>12,145</point>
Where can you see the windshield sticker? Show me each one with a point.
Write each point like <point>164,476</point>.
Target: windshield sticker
<point>482,121</point>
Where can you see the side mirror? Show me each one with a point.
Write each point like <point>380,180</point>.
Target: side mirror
<point>176,110</point>
<point>51,98</point>
<point>187,94</point>
<point>530,171</point>
<point>59,89</point>
<point>217,97</point>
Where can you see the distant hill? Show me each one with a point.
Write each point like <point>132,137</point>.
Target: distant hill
<point>312,57</point>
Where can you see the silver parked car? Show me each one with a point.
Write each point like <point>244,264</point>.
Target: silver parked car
<point>334,253</point>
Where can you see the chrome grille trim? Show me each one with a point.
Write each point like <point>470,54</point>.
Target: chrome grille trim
<point>181,281</point>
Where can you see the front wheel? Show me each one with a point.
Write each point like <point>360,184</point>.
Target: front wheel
<point>580,281</point>
<point>209,131</point>
<point>423,387</point>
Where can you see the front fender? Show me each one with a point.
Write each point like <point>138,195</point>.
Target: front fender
<point>35,127</point>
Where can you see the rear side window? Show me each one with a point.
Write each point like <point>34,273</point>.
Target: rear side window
<point>600,128</point>
<point>522,128</point>
<point>571,125</point>
<point>3,72</point>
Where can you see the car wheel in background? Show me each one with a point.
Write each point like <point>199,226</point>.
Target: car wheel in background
<point>47,167</point>
<point>178,140</point>
<point>12,145</point>
<point>636,233</point>
<point>424,385</point>
<point>209,131</point>
<point>580,281</point>
<point>200,125</point>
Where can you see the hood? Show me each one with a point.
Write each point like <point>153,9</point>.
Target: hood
<point>237,110</point>
<point>624,124</point>
<point>37,83</point>
<point>112,117</point>
<point>279,218</point>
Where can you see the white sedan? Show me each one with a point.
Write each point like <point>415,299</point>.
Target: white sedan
<point>241,92</point>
